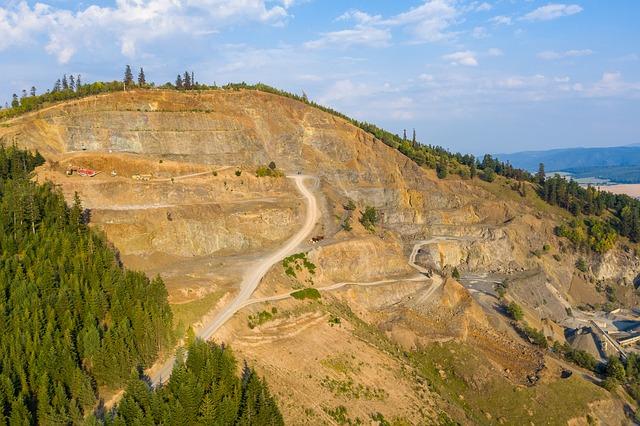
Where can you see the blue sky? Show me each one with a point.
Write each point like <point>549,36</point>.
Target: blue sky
<point>473,76</point>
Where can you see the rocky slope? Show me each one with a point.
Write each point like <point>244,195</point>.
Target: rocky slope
<point>197,214</point>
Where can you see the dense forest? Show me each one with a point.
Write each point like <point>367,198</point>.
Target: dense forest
<point>72,318</point>
<point>204,389</point>
<point>606,214</point>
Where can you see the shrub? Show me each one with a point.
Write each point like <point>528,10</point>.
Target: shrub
<point>515,311</point>
<point>488,175</point>
<point>350,205</point>
<point>581,265</point>
<point>238,172</point>
<point>307,293</point>
<point>369,218</point>
<point>346,225</point>
<point>455,274</point>
<point>441,170</point>
<point>267,171</point>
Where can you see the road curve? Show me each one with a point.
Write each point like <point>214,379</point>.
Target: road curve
<point>253,277</point>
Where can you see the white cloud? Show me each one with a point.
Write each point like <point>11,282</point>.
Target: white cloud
<point>429,22</point>
<point>552,11</point>
<point>359,36</point>
<point>483,7</point>
<point>466,58</point>
<point>131,22</point>
<point>612,84</point>
<point>501,20</point>
<point>479,32</point>
<point>549,55</point>
<point>494,51</point>
<point>425,77</point>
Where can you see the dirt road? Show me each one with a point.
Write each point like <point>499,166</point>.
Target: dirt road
<point>253,277</point>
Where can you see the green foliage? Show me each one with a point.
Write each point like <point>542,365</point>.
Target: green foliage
<point>260,318</point>
<point>581,265</point>
<point>535,336</point>
<point>350,206</point>
<point>203,390</point>
<point>297,262</point>
<point>369,218</point>
<point>589,233</point>
<point>579,357</point>
<point>238,173</point>
<point>346,225</point>
<point>515,311</point>
<point>306,293</point>
<point>267,171</point>
<point>441,170</point>
<point>488,175</point>
<point>72,318</point>
<point>455,274</point>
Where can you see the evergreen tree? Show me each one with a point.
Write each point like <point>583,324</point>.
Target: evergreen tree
<point>128,76</point>
<point>15,103</point>
<point>187,80</point>
<point>414,142</point>
<point>78,83</point>
<point>541,175</point>
<point>72,83</point>
<point>33,90</point>
<point>65,83</point>
<point>179,83</point>
<point>142,81</point>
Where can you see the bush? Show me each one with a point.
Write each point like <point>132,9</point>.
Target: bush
<point>369,218</point>
<point>455,274</point>
<point>267,171</point>
<point>238,172</point>
<point>488,175</point>
<point>441,170</point>
<point>581,265</point>
<point>515,311</point>
<point>350,206</point>
<point>535,336</point>
<point>307,293</point>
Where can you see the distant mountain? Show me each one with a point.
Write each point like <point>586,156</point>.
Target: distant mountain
<point>576,158</point>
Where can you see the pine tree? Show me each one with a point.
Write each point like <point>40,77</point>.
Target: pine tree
<point>15,103</point>
<point>33,90</point>
<point>179,84</point>
<point>187,80</point>
<point>57,86</point>
<point>72,83</point>
<point>414,142</point>
<point>65,83</point>
<point>142,81</point>
<point>540,176</point>
<point>78,82</point>
<point>128,76</point>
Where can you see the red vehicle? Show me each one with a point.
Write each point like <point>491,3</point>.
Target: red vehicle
<point>87,172</point>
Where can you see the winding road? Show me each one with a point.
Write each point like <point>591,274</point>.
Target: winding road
<point>254,275</point>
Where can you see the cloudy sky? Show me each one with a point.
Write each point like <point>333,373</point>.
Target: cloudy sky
<point>473,76</point>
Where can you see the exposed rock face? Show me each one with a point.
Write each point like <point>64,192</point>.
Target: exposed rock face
<point>202,231</point>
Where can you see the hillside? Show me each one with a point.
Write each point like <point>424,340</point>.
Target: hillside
<point>177,195</point>
<point>618,163</point>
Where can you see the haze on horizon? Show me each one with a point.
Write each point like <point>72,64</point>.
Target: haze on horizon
<point>473,76</point>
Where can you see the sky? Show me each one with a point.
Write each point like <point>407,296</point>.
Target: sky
<point>473,76</point>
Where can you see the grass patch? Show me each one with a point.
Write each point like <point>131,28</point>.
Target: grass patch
<point>348,389</point>
<point>265,171</point>
<point>260,318</point>
<point>186,314</point>
<point>306,293</point>
<point>545,403</point>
